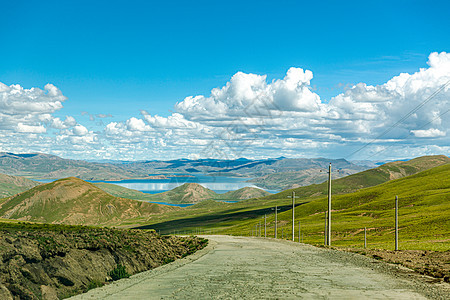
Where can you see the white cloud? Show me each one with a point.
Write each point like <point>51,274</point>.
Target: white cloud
<point>429,133</point>
<point>249,117</point>
<point>30,128</point>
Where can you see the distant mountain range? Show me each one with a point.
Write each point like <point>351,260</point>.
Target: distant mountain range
<point>278,173</point>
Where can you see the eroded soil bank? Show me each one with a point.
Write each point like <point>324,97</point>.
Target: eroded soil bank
<point>39,261</point>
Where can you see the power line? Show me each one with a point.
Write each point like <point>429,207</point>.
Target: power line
<point>408,135</point>
<point>428,99</point>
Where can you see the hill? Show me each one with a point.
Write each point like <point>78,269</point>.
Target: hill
<point>184,194</point>
<point>74,201</point>
<point>123,192</point>
<point>424,203</point>
<point>11,185</point>
<point>368,178</point>
<point>243,194</point>
<point>39,165</point>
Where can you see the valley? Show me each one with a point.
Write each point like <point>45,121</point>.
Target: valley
<point>363,200</point>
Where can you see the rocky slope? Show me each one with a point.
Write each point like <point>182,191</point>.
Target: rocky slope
<point>74,201</point>
<point>42,261</point>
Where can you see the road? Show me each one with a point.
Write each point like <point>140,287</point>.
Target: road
<point>258,268</point>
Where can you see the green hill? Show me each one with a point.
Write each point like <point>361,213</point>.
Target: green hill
<point>11,185</point>
<point>74,201</point>
<point>368,178</point>
<point>186,193</point>
<point>243,194</point>
<point>123,192</point>
<point>423,201</point>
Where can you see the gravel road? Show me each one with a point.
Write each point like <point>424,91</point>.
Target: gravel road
<point>257,268</point>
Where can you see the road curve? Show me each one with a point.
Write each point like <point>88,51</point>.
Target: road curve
<point>258,268</point>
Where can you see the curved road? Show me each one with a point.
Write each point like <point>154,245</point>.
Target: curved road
<point>258,268</point>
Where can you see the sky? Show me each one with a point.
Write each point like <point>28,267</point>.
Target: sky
<point>141,80</point>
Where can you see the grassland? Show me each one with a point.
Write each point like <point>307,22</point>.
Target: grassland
<point>423,203</point>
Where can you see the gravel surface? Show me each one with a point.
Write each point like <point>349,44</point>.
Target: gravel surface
<point>258,268</point>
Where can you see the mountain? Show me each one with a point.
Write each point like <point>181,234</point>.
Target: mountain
<point>243,194</point>
<point>74,201</point>
<point>39,165</point>
<point>11,185</point>
<point>305,171</point>
<point>186,193</point>
<point>123,192</point>
<point>368,178</point>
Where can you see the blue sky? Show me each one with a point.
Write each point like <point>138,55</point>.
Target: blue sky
<point>120,57</point>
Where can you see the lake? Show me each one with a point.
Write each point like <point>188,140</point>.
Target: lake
<point>219,184</point>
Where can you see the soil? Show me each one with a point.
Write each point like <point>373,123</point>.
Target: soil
<point>432,263</point>
<point>61,261</point>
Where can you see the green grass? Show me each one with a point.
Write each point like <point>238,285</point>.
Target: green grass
<point>424,203</point>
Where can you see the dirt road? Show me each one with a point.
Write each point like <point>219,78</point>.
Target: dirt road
<point>257,268</point>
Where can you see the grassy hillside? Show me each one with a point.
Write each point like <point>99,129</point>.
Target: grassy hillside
<point>186,193</point>
<point>123,192</point>
<point>424,222</point>
<point>74,201</point>
<point>372,177</point>
<point>243,194</point>
<point>11,185</point>
<point>424,203</point>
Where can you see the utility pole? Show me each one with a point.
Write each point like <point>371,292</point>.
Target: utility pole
<point>293,214</point>
<point>276,220</point>
<point>259,228</point>
<point>325,231</point>
<point>329,206</point>
<point>265,226</point>
<point>396,223</point>
<point>365,238</point>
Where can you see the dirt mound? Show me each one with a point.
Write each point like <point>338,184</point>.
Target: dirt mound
<point>48,261</point>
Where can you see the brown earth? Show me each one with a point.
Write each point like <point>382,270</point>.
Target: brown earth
<point>40,261</point>
<point>432,263</point>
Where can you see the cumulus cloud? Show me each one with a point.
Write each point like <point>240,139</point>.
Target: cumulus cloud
<point>249,116</point>
<point>429,133</point>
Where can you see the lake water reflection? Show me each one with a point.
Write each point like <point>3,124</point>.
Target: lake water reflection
<point>219,184</point>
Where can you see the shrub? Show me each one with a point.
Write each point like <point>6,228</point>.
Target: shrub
<point>118,273</point>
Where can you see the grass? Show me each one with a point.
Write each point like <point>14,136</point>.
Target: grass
<point>423,215</point>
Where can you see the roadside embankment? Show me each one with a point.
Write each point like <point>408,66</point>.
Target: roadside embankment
<point>41,261</point>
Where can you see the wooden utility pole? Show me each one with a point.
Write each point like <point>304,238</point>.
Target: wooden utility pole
<point>325,231</point>
<point>329,206</point>
<point>265,226</point>
<point>293,214</point>
<point>276,220</point>
<point>365,238</point>
<point>396,223</point>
